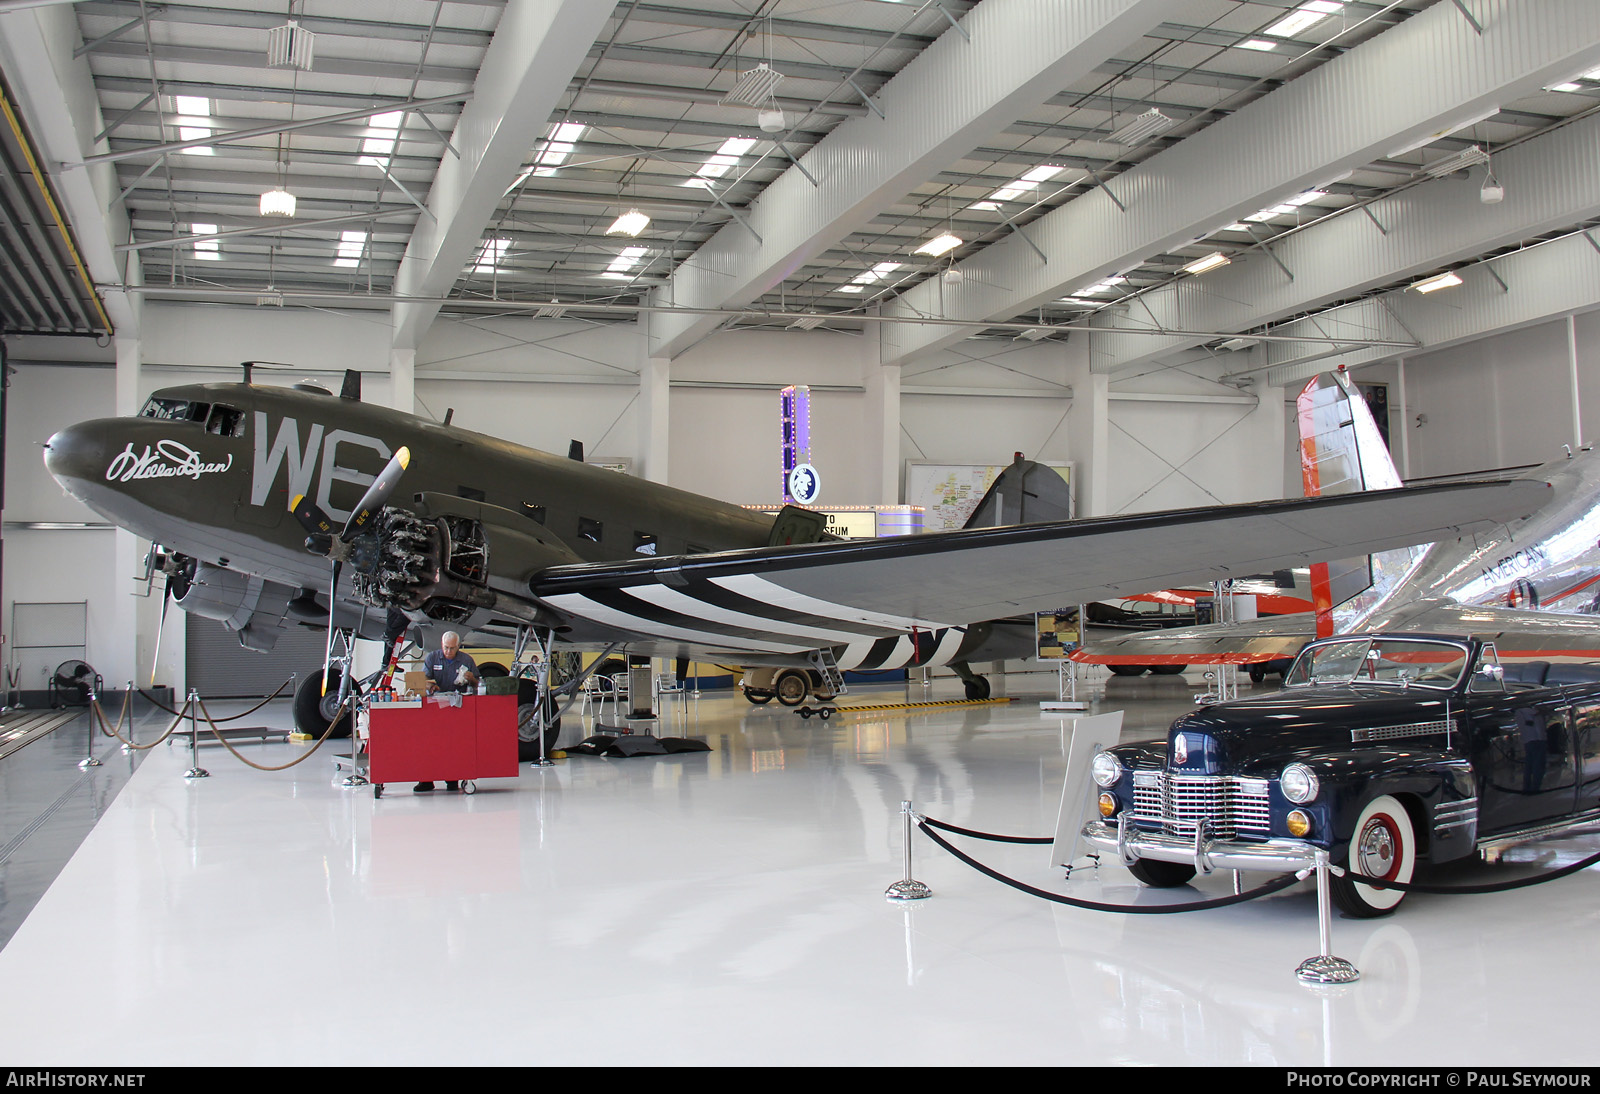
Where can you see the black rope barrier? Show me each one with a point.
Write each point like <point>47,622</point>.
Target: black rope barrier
<point>1475,890</point>
<point>1274,886</point>
<point>941,825</point>
<point>159,705</point>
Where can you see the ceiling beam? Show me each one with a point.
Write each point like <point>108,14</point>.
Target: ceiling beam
<point>536,51</point>
<point>941,105</point>
<point>1412,79</point>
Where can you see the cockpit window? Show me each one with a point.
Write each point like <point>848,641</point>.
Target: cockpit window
<point>176,410</point>
<point>225,421</point>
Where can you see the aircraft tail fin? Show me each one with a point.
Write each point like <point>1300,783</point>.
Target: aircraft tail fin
<point>1024,493</point>
<point>1342,452</point>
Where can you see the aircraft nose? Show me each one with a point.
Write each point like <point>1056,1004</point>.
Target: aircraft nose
<point>76,453</point>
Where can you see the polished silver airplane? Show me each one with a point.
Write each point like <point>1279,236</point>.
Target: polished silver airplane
<point>252,490</point>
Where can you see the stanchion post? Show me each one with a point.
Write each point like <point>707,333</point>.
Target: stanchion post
<point>127,745</point>
<point>88,760</point>
<point>907,888</point>
<point>1325,968</point>
<point>195,770</point>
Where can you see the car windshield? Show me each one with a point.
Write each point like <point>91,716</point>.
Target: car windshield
<point>1386,662</point>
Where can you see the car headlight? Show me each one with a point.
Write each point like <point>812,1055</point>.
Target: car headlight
<point>1106,769</point>
<point>1299,783</point>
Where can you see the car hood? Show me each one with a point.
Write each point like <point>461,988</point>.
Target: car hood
<point>1256,736</point>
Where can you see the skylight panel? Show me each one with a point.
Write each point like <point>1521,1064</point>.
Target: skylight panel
<point>1306,15</point>
<point>351,246</point>
<point>877,273</point>
<point>193,110</point>
<point>1099,287</point>
<point>1014,189</point>
<point>384,130</point>
<point>561,143</point>
<point>490,253</point>
<point>725,159</point>
<point>210,249</point>
<point>1258,44</point>
<point>626,259</point>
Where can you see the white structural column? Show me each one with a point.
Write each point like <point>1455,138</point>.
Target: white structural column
<point>536,50</point>
<point>133,620</point>
<point>938,108</point>
<point>1550,183</point>
<point>1088,432</point>
<point>655,391</point>
<point>1429,72</point>
<point>880,426</point>
<point>56,96</point>
<point>403,379</point>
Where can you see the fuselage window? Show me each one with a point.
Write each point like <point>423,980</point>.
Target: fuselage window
<point>533,512</point>
<point>225,421</point>
<point>589,529</point>
<point>175,410</point>
<point>644,543</point>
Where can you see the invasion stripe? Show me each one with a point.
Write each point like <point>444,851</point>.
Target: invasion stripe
<point>694,608</point>
<point>714,593</point>
<point>769,592</point>
<point>623,600</point>
<point>881,651</point>
<point>580,605</point>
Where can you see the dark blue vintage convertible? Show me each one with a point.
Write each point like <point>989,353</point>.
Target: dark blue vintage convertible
<point>1383,749</point>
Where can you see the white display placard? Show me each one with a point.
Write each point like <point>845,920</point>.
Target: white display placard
<point>949,492</point>
<point>1089,736</point>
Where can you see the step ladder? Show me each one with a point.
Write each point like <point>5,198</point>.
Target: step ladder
<point>827,665</point>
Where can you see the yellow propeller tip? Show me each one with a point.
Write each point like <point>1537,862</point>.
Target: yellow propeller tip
<point>404,456</point>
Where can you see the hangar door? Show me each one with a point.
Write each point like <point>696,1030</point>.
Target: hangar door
<point>220,668</point>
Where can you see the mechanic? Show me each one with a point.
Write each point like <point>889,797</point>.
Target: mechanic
<point>448,669</point>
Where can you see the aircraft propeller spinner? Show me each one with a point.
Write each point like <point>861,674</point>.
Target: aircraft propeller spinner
<point>322,538</point>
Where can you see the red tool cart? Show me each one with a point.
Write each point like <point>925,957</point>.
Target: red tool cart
<point>412,742</point>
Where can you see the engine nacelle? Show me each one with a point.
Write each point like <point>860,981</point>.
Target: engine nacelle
<point>250,606</point>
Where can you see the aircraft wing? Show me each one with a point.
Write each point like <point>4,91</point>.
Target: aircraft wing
<point>1241,643</point>
<point>784,600</point>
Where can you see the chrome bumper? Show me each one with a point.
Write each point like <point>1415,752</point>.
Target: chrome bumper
<point>1205,854</point>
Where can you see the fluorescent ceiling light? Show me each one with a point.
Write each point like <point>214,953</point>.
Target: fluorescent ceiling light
<point>1233,345</point>
<point>1258,44</point>
<point>553,310</point>
<point>351,244</point>
<point>1569,86</point>
<point>490,252</point>
<point>807,322</point>
<point>939,245</point>
<point>1306,15</point>
<point>277,203</point>
<point>1470,156</point>
<point>630,223</point>
<point>210,249</point>
<point>1033,334</point>
<point>1209,262</point>
<point>626,259</point>
<point>1440,134</point>
<point>1438,281</point>
<point>561,143</point>
<point>1142,128</point>
<point>755,87</point>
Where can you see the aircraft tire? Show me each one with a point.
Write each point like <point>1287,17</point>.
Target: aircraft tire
<point>1257,675</point>
<point>759,698</point>
<point>1167,670</point>
<point>791,687</point>
<point>1126,670</point>
<point>491,669</point>
<point>527,721</point>
<point>313,711</point>
<point>977,688</point>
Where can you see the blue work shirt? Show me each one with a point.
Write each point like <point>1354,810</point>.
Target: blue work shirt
<point>448,672</point>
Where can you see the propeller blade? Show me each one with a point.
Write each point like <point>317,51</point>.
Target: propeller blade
<point>377,494</point>
<point>311,518</point>
<point>166,599</point>
<point>327,654</point>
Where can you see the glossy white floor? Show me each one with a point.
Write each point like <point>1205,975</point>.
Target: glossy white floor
<point>728,908</point>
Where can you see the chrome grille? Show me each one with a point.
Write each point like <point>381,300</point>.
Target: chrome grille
<point>1178,803</point>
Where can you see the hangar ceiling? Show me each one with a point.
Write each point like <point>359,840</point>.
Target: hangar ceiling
<point>798,160</point>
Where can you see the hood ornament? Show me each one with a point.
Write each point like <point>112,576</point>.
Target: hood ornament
<point>1180,749</point>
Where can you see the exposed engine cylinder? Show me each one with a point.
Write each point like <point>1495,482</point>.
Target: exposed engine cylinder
<point>409,562</point>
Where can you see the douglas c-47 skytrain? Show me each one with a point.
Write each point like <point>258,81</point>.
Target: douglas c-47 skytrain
<point>481,535</point>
